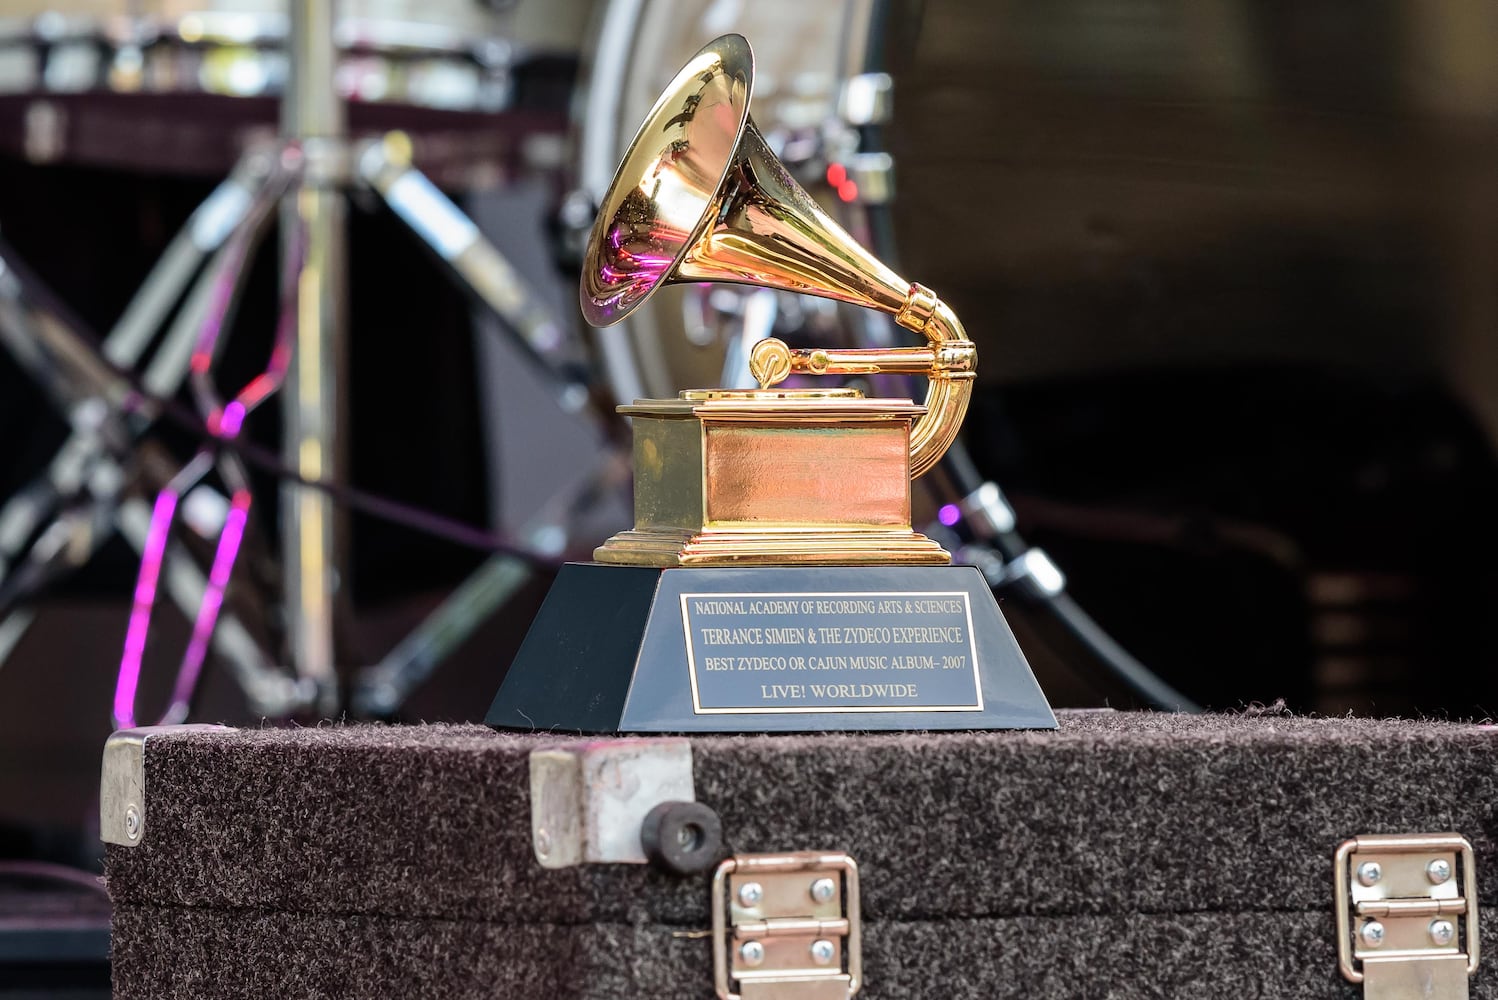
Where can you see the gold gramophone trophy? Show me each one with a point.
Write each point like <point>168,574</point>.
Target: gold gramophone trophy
<point>772,580</point>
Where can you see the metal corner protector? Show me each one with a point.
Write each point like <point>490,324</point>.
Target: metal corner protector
<point>122,782</point>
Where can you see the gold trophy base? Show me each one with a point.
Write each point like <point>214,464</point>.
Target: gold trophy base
<point>784,477</point>
<point>757,546</point>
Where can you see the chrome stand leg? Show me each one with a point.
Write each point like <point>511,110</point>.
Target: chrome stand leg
<point>79,494</point>
<point>311,537</point>
<point>475,264</point>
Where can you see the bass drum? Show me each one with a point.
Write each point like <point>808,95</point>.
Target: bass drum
<point>1231,294</point>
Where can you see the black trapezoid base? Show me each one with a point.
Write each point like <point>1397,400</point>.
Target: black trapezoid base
<point>628,649</point>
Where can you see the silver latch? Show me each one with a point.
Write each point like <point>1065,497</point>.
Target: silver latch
<point>589,799</point>
<point>786,927</point>
<point>1407,915</point>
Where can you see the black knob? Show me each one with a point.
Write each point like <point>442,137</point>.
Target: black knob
<point>682,838</point>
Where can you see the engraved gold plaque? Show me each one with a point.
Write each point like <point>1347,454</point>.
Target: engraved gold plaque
<point>768,476</point>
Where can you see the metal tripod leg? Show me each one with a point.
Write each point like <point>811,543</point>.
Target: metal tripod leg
<point>204,233</point>
<point>312,528</point>
<point>475,263</point>
<point>380,690</point>
<point>269,691</point>
<point>82,385</point>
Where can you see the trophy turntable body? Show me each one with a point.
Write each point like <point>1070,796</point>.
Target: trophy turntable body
<point>772,580</point>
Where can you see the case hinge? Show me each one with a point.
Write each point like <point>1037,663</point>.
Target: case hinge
<point>1407,915</point>
<point>786,927</point>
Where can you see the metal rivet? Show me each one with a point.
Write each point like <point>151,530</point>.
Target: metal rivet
<point>1372,933</point>
<point>1442,932</point>
<point>750,893</point>
<point>1438,871</point>
<point>752,952</point>
<point>822,951</point>
<point>823,889</point>
<point>1369,872</point>
<point>132,823</point>
<point>543,844</point>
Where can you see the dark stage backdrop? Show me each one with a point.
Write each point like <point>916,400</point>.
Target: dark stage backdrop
<point>1233,272</point>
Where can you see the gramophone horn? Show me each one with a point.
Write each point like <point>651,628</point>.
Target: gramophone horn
<point>699,196</point>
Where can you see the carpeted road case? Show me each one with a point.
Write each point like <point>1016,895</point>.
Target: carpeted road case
<point>1127,855</point>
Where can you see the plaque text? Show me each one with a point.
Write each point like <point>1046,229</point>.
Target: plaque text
<point>854,652</point>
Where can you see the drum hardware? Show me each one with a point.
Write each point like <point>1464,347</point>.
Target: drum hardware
<point>327,168</point>
<point>86,489</point>
<point>226,420</point>
<point>1032,570</point>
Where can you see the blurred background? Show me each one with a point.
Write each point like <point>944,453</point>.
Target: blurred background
<point>1231,265</point>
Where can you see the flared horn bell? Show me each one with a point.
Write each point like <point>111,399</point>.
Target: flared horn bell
<point>700,196</point>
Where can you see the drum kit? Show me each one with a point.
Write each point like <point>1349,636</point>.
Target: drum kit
<point>431,67</point>
<point>433,84</point>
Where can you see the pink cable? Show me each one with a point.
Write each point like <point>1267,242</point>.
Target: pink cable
<point>140,613</point>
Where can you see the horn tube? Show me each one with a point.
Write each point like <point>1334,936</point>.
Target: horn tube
<point>701,197</point>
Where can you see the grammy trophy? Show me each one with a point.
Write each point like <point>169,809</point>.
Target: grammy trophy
<point>772,579</point>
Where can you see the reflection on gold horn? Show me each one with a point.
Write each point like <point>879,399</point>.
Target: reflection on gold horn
<point>700,197</point>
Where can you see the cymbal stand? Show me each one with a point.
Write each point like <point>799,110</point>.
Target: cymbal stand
<point>327,166</point>
<point>313,444</point>
<point>203,235</point>
<point>225,420</point>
